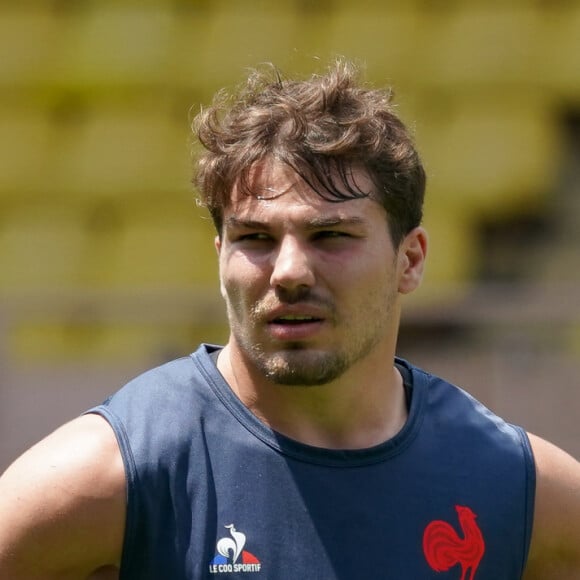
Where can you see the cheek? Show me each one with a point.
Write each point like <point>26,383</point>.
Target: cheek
<point>374,275</point>
<point>239,280</point>
<point>378,290</point>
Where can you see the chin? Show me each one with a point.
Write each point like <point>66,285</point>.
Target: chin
<point>301,367</point>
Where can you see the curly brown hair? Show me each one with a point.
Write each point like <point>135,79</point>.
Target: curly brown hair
<point>322,128</point>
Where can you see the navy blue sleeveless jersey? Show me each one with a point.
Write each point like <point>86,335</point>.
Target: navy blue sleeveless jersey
<point>214,494</point>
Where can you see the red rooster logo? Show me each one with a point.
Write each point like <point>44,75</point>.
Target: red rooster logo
<point>444,548</point>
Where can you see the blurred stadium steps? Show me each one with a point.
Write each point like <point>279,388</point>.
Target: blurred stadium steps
<point>105,264</point>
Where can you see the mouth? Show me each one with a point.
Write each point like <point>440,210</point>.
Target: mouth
<point>295,319</point>
<point>295,327</point>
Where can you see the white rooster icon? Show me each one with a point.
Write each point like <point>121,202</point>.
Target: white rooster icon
<point>232,547</point>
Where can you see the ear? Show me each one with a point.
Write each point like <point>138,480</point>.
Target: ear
<point>217,242</point>
<point>411,257</point>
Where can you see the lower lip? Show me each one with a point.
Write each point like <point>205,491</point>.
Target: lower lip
<point>296,331</point>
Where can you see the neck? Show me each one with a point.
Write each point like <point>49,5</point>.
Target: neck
<point>364,407</point>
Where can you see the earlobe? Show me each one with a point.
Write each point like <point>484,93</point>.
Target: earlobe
<point>412,253</point>
<point>218,248</point>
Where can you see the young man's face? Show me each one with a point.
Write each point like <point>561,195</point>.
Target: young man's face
<point>311,286</point>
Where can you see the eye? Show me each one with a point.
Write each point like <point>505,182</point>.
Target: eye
<point>331,234</point>
<point>253,237</point>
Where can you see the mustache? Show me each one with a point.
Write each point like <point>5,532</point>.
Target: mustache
<point>300,296</point>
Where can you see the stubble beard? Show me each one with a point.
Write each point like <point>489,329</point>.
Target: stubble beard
<point>298,364</point>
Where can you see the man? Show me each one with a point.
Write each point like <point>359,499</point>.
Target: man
<point>303,448</point>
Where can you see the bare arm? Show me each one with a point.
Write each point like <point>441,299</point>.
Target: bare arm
<point>555,548</point>
<point>62,506</point>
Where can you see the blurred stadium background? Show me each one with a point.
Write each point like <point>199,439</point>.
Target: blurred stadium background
<point>107,267</point>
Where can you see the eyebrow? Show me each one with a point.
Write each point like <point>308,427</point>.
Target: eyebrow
<point>235,222</point>
<point>313,224</point>
<point>327,222</point>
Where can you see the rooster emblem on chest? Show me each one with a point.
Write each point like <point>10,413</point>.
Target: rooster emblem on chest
<point>444,547</point>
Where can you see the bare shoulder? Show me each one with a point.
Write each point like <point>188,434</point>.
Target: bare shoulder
<point>62,504</point>
<point>555,548</point>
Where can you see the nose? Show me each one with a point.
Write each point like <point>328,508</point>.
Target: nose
<point>292,265</point>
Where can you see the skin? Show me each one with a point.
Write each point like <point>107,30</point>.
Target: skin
<point>62,504</point>
<point>555,547</point>
<point>289,256</point>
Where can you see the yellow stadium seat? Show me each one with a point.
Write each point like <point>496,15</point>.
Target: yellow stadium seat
<point>559,65</point>
<point>363,5</point>
<point>383,39</point>
<point>490,152</point>
<point>28,43</point>
<point>116,44</point>
<point>189,41</point>
<point>132,341</point>
<point>139,343</point>
<point>157,247</point>
<point>47,339</point>
<point>452,260</point>
<point>41,248</point>
<point>25,145</point>
<point>239,38</point>
<point>480,44</point>
<point>120,150</point>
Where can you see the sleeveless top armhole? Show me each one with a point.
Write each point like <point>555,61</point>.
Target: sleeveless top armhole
<point>132,481</point>
<point>197,462</point>
<point>530,497</point>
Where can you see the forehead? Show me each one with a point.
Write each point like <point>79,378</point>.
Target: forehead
<point>276,188</point>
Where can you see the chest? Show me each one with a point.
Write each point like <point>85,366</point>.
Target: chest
<point>277,520</point>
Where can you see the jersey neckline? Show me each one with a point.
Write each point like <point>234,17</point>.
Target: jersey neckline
<point>308,453</point>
